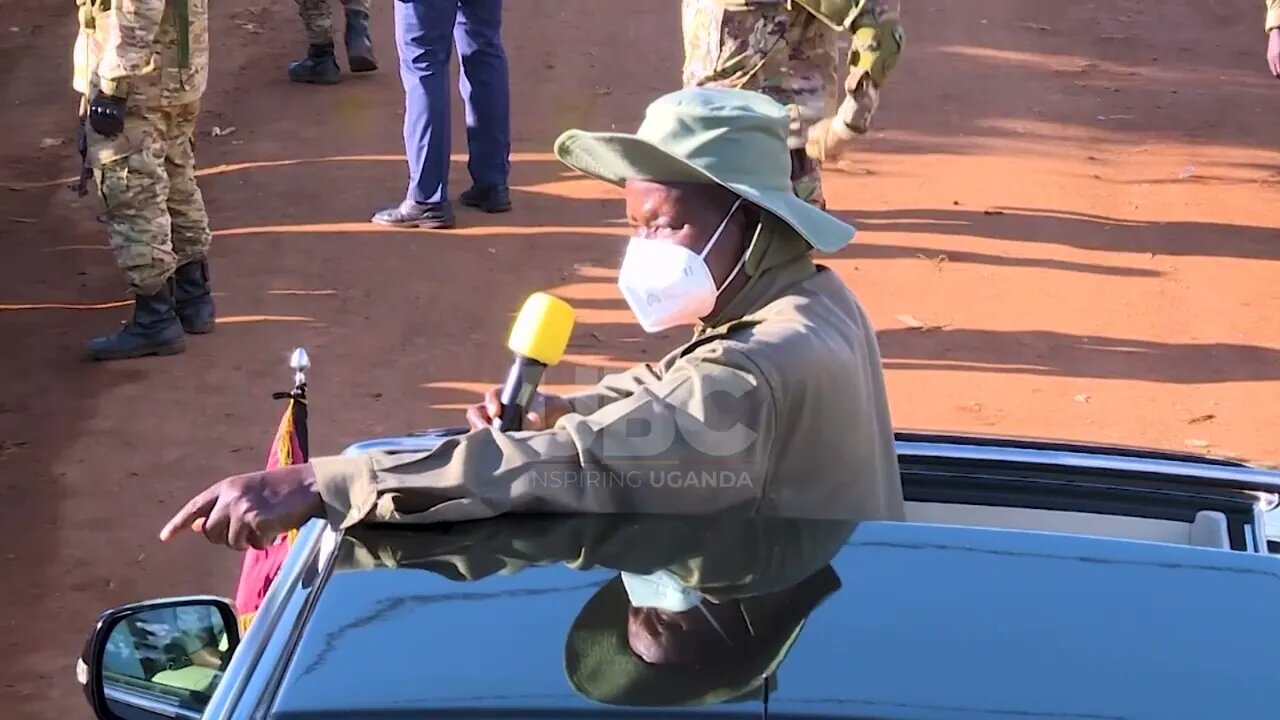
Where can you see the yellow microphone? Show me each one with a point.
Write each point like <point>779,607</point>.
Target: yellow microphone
<point>538,339</point>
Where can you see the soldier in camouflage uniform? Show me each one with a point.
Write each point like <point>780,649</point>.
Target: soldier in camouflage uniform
<point>786,50</point>
<point>142,67</point>
<point>321,65</point>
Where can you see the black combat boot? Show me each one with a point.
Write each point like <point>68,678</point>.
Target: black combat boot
<point>319,66</point>
<point>192,297</point>
<point>153,330</point>
<point>359,43</point>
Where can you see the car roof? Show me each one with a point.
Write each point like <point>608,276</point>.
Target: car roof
<point>899,620</point>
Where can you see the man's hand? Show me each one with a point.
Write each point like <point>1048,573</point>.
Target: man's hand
<point>829,139</point>
<point>251,510</point>
<point>106,115</point>
<point>1273,52</point>
<point>543,412</point>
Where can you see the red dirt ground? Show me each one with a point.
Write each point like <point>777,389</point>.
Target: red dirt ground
<point>1070,227</point>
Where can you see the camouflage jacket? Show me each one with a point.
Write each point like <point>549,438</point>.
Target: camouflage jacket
<point>787,51</point>
<point>134,49</point>
<point>1273,15</point>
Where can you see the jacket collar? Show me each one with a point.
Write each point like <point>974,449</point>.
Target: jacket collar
<point>757,295</point>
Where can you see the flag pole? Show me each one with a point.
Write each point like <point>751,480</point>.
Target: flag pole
<point>290,447</point>
<point>300,363</point>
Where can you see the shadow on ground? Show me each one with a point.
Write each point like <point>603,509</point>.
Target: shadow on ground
<point>1078,230</point>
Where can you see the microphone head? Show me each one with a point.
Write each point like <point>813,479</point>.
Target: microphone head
<point>541,331</point>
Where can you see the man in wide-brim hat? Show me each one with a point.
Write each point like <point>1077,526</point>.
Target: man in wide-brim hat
<point>775,406</point>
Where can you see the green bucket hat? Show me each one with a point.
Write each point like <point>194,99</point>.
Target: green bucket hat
<point>734,138</point>
<point>601,666</point>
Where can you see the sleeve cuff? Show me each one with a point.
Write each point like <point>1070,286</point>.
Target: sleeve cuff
<point>1273,19</point>
<point>118,87</point>
<point>347,488</point>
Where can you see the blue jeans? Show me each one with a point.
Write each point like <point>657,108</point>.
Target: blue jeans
<point>426,31</point>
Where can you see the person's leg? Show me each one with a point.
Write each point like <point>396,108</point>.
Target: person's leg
<point>189,223</point>
<point>129,170</point>
<point>424,38</point>
<point>320,65</point>
<point>356,36</point>
<point>484,83</point>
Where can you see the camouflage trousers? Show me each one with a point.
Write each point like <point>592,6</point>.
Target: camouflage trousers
<point>318,20</point>
<point>155,213</point>
<point>789,55</point>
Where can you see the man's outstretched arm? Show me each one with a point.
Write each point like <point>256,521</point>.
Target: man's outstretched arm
<point>650,452</point>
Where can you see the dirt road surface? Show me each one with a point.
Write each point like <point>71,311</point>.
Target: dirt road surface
<point>1070,227</point>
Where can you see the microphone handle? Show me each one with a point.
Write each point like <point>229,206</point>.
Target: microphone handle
<point>517,393</point>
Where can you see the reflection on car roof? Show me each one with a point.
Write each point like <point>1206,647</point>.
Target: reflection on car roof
<point>877,620</point>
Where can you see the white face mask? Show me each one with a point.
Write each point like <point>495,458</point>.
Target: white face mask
<point>660,590</point>
<point>667,285</point>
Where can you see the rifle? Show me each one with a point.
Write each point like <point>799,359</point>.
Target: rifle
<point>82,144</point>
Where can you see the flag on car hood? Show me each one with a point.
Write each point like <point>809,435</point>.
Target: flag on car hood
<point>260,567</point>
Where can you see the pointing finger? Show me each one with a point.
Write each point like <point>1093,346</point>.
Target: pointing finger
<point>197,508</point>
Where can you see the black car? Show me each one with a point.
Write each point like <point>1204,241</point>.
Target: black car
<point>1032,580</point>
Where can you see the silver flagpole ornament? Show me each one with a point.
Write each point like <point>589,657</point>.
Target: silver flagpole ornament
<point>300,363</point>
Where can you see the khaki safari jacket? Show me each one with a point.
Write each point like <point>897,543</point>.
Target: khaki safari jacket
<point>1273,15</point>
<point>781,412</point>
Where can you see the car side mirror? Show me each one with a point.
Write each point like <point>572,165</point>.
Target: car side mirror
<point>158,659</point>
